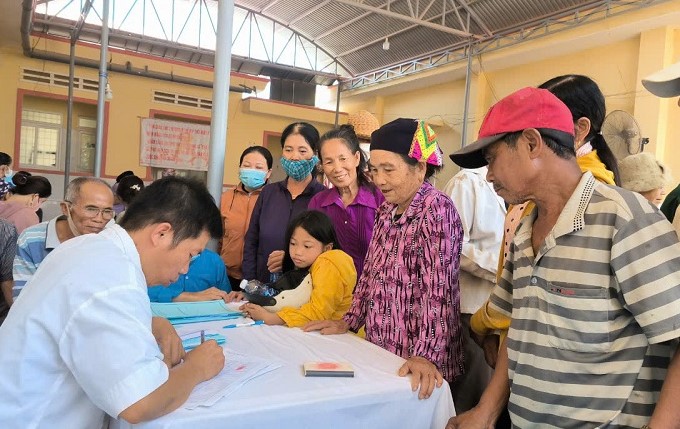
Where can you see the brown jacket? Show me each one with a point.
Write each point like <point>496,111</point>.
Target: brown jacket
<point>237,207</point>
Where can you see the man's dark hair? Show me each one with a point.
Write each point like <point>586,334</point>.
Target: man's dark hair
<point>184,203</point>
<point>565,152</point>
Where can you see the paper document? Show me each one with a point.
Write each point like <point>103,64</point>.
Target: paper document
<point>238,370</point>
<point>193,310</point>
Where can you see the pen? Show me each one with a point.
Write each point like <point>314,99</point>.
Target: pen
<point>202,336</point>
<point>240,325</point>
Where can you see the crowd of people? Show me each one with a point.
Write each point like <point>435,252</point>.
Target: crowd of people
<point>542,284</point>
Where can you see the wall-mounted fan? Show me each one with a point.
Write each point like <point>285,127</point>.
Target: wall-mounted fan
<point>622,133</point>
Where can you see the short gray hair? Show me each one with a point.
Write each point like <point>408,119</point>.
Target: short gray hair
<point>73,188</point>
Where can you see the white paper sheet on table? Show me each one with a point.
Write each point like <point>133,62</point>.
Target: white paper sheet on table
<point>238,370</point>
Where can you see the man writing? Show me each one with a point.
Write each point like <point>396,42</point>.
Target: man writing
<point>80,343</point>
<point>592,282</point>
<point>87,209</point>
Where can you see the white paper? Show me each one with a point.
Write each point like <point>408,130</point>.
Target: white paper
<point>238,370</point>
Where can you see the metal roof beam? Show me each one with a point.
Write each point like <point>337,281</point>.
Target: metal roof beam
<point>424,12</point>
<point>81,21</point>
<point>590,12</point>
<point>421,22</point>
<point>464,4</point>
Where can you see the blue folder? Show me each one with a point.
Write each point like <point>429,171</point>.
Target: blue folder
<point>179,313</point>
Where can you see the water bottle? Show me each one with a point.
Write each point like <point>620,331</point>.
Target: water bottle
<point>273,277</point>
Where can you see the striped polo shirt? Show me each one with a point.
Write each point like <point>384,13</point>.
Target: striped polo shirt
<point>592,312</point>
<point>34,244</point>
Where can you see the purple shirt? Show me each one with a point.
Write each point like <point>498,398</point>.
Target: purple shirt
<point>408,294</point>
<point>354,223</point>
<point>268,224</point>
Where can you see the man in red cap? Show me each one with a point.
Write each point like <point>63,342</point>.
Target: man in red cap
<point>591,281</point>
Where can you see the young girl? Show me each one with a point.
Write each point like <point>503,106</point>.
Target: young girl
<point>312,245</point>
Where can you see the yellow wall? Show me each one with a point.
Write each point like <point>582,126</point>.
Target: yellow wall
<point>132,101</point>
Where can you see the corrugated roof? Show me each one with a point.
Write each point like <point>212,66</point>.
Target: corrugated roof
<point>353,31</point>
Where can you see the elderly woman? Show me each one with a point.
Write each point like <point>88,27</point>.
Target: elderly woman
<point>281,201</point>
<point>408,296</point>
<point>353,201</point>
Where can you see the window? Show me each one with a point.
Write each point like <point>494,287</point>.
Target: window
<point>43,142</point>
<point>82,159</point>
<point>40,139</point>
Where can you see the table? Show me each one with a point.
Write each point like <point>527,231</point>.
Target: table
<point>376,397</point>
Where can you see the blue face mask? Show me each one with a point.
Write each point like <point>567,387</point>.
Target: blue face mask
<point>251,178</point>
<point>299,170</point>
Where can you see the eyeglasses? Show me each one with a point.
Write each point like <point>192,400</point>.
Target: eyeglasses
<point>92,211</point>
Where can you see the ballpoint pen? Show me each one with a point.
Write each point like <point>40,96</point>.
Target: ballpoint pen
<point>240,325</point>
<point>202,336</point>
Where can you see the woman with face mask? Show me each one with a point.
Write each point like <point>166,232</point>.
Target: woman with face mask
<point>26,195</point>
<point>281,201</point>
<point>255,167</point>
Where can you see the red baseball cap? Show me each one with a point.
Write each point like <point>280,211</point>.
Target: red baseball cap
<point>527,108</point>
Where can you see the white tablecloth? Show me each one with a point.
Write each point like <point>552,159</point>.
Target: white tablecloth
<point>375,398</point>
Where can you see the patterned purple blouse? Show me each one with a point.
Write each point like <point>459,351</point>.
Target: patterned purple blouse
<point>408,295</point>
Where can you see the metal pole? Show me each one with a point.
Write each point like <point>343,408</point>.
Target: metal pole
<point>220,96</point>
<point>69,114</point>
<point>337,105</point>
<point>75,34</point>
<point>468,79</point>
<point>101,93</point>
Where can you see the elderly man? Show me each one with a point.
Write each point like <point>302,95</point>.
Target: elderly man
<point>87,209</point>
<point>81,342</point>
<point>592,282</point>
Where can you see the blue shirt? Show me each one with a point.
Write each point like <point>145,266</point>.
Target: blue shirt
<point>206,271</point>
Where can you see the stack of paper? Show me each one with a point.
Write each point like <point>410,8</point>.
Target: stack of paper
<point>238,370</point>
<point>179,313</point>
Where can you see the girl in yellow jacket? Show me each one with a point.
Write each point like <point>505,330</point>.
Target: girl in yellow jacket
<point>312,245</point>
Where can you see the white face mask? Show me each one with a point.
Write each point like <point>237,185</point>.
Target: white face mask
<point>9,172</point>
<point>71,224</point>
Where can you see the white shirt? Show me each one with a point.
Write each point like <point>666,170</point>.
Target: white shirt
<point>482,213</point>
<point>78,343</point>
